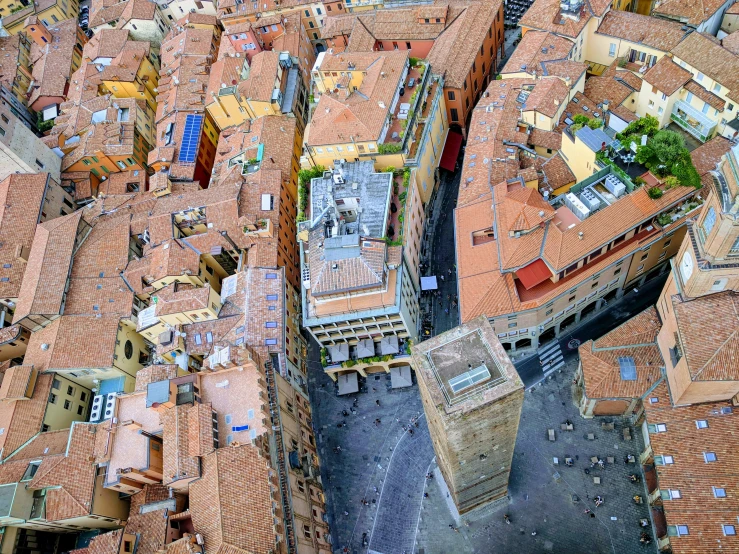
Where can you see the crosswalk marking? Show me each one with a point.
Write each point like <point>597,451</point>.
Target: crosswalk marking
<point>551,356</point>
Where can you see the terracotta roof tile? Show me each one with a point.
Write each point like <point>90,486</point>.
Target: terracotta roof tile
<point>557,173</point>
<point>360,115</point>
<point>71,476</point>
<point>654,32</point>
<point>534,48</point>
<point>17,381</point>
<point>545,15</point>
<point>241,518</point>
<point>49,262</point>
<point>545,139</point>
<point>634,339</point>
<point>547,96</point>
<point>667,76</point>
<point>707,156</point>
<point>686,11</point>
<point>708,97</point>
<point>704,54</point>
<point>456,48</point>
<point>709,360</point>
<point>21,200</point>
<point>731,41</point>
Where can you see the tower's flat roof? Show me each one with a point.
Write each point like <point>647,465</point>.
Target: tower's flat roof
<point>466,366</point>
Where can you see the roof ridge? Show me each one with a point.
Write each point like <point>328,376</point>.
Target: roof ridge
<point>717,350</point>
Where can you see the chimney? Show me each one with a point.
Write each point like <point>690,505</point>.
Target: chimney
<point>580,235</point>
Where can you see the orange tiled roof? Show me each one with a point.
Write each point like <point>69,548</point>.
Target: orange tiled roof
<point>667,76</point>
<point>234,517</point>
<point>654,32</point>
<point>536,47</point>
<point>705,54</point>
<point>48,267</point>
<point>685,11</point>
<point>709,360</point>
<point>689,473</point>
<point>635,339</point>
<point>363,114</point>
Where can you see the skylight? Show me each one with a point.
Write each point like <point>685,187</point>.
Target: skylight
<point>469,379</point>
<point>627,367</point>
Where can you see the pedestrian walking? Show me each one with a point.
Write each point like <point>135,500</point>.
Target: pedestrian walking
<point>442,277</point>
<point>425,495</point>
<point>346,513</point>
<point>377,402</point>
<point>377,422</point>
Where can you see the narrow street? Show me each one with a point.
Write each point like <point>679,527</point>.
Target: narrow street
<point>439,254</point>
<point>614,315</point>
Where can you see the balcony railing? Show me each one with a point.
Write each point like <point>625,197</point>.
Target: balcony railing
<point>694,122</point>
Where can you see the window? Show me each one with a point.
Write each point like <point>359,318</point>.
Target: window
<point>670,494</point>
<point>644,257</point>
<point>80,409</point>
<point>30,471</point>
<point>617,271</point>
<point>667,243</point>
<point>663,460</point>
<point>709,457</point>
<point>719,492</point>
<point>512,325</point>
<point>677,530</point>
<point>659,428</point>
<point>708,222</point>
<point>453,111</point>
<point>408,45</point>
<point>700,76</point>
<point>271,324</point>
<point>660,110</point>
<point>729,530</point>
<point>689,97</point>
<point>52,398</point>
<point>701,424</point>
<point>612,50</point>
<point>716,88</point>
<point>56,384</point>
<point>83,396</point>
<point>67,405</point>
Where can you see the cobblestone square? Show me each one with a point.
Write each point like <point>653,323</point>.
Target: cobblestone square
<point>386,466</point>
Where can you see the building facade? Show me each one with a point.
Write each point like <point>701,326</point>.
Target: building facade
<point>472,397</point>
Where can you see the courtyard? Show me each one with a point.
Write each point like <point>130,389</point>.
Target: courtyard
<point>375,483</point>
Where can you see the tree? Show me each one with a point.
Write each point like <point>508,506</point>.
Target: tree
<point>647,125</point>
<point>581,120</point>
<point>663,151</point>
<point>686,173</point>
<point>596,123</point>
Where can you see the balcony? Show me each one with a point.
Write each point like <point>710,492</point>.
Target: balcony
<point>694,122</point>
<point>262,228</point>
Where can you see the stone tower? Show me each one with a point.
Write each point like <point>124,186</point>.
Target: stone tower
<point>472,397</point>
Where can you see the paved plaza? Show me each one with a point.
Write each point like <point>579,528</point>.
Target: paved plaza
<point>385,466</point>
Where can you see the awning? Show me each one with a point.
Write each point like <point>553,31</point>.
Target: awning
<point>451,150</point>
<point>533,274</point>
<point>429,283</point>
<point>401,377</point>
<point>348,383</point>
<point>338,352</point>
<point>365,348</point>
<point>389,345</point>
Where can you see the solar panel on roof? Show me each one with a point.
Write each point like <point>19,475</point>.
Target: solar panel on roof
<point>627,367</point>
<point>190,138</point>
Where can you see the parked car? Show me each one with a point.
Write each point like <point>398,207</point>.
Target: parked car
<point>412,82</point>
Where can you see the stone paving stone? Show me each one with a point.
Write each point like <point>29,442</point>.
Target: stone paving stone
<point>540,493</point>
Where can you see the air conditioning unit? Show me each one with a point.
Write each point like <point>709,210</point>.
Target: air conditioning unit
<point>109,405</point>
<point>97,407</point>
